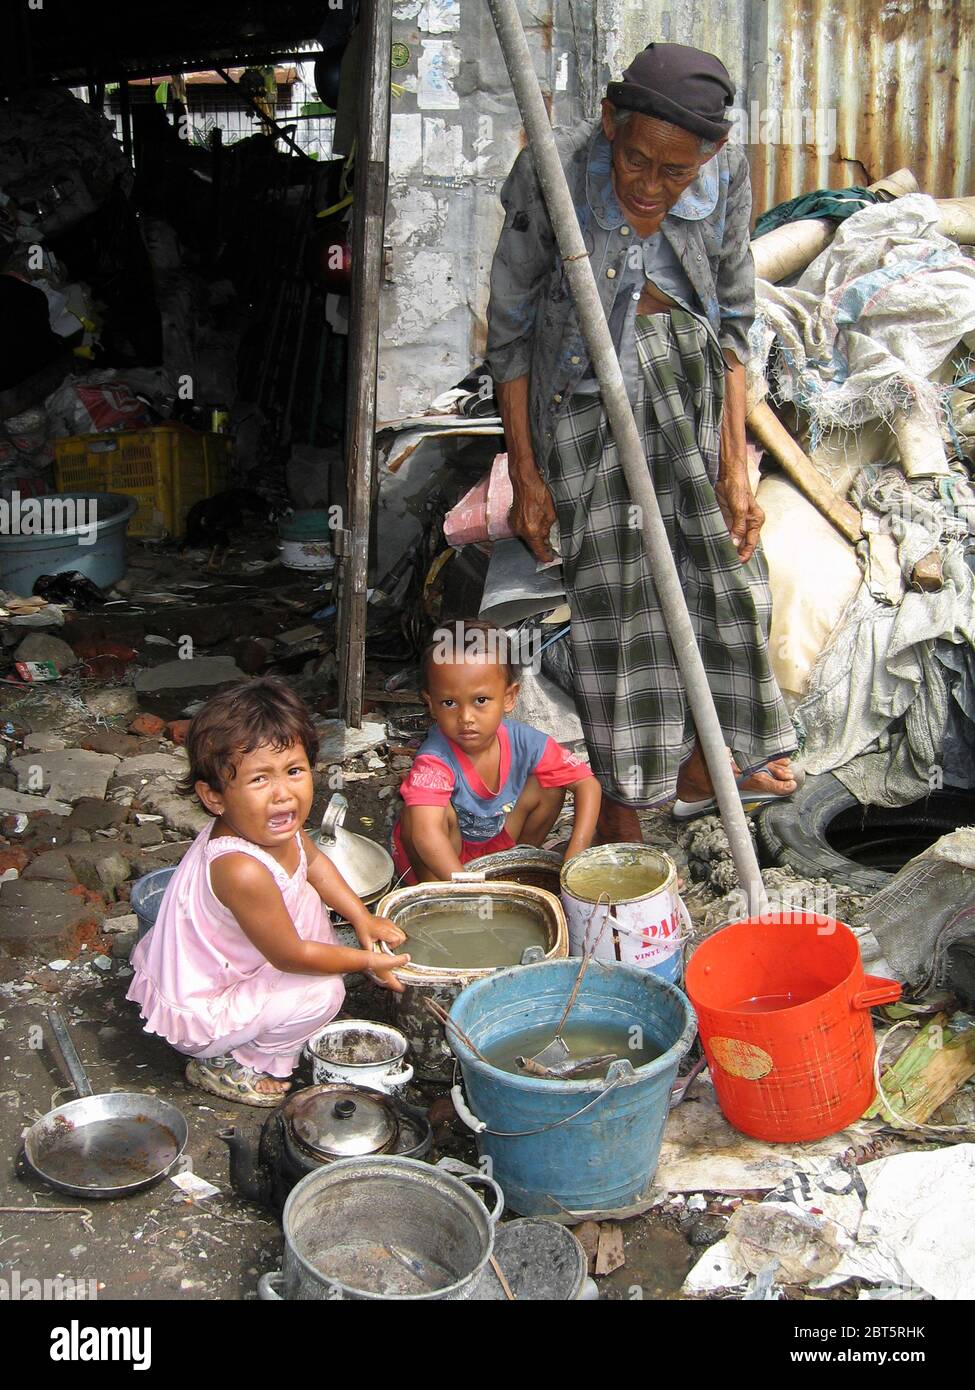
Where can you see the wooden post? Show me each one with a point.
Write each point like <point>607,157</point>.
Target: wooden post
<point>125,111</point>
<point>768,429</point>
<point>369,208</point>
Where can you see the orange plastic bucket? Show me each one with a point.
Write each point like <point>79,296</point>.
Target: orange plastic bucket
<point>783,1009</point>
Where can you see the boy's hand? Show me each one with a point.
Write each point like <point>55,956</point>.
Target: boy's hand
<point>372,929</point>
<point>576,846</point>
<point>381,973</point>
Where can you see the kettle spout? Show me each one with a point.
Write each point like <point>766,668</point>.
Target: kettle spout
<point>247,1177</point>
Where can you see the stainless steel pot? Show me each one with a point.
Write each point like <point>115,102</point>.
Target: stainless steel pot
<point>384,1227</point>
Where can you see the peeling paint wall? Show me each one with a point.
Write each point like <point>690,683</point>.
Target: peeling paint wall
<point>455,132</point>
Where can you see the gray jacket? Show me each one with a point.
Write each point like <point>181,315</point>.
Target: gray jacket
<point>532,322</point>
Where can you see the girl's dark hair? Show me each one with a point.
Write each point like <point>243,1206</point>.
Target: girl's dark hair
<point>234,723</point>
<point>468,635</point>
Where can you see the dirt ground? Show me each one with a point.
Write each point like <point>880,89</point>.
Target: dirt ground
<point>66,927</point>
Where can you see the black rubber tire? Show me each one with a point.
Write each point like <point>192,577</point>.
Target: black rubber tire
<point>794,834</point>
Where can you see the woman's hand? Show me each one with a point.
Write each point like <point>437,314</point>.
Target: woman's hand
<point>371,929</point>
<point>532,513</point>
<point>743,516</point>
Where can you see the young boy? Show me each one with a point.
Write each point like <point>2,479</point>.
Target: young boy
<point>482,782</point>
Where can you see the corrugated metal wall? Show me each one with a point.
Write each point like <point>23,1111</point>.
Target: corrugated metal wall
<point>897,74</point>
<point>833,91</point>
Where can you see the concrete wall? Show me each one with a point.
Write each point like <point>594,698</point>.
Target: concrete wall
<point>455,133</point>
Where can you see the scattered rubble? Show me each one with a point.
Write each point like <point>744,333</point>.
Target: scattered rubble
<point>65,774</point>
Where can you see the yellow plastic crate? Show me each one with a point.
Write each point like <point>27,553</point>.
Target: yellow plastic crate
<point>167,469</point>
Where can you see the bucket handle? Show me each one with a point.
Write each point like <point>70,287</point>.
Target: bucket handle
<point>679,938</point>
<point>876,991</point>
<point>268,1286</point>
<point>480,1127</point>
<point>482,1180</point>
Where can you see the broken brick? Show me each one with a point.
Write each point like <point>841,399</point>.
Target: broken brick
<point>104,659</point>
<point>14,858</point>
<point>177,731</point>
<point>148,724</point>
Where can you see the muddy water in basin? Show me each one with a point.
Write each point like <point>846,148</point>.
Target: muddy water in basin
<point>451,938</point>
<point>622,881</point>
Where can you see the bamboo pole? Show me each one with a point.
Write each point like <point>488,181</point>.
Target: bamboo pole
<point>575,258</point>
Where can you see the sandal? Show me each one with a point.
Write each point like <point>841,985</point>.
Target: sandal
<point>230,1080</point>
<point>690,810</point>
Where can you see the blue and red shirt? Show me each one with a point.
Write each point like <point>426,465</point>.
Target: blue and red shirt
<point>442,774</point>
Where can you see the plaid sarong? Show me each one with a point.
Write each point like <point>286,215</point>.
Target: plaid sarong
<point>635,717</point>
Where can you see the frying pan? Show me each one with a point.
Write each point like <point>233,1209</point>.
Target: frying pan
<point>107,1145</point>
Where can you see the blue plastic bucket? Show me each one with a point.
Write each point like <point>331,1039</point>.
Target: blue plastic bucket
<point>147,895</point>
<point>571,1146</point>
<point>70,531</point>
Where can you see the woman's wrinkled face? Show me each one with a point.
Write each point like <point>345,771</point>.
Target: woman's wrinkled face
<point>653,164</point>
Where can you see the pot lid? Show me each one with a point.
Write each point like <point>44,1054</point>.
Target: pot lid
<point>366,867</point>
<point>342,1121</point>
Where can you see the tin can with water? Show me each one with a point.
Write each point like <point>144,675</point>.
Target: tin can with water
<point>647,920</point>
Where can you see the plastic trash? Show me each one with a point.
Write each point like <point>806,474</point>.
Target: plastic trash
<point>71,587</point>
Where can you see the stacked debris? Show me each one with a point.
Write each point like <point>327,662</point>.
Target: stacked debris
<point>866,355</point>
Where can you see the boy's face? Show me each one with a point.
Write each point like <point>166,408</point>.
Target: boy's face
<point>468,699</point>
<point>269,797</point>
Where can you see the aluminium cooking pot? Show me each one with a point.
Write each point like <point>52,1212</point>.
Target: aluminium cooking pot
<point>366,867</point>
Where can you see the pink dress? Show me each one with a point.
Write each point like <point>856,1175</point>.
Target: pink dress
<point>208,991</point>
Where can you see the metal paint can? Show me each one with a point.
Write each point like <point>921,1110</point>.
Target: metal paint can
<point>643,929</point>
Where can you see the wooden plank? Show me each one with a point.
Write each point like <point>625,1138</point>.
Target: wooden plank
<point>609,1252</point>
<point>800,469</point>
<point>371,180</point>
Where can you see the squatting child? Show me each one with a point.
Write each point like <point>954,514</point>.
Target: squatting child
<point>241,966</point>
<point>482,782</point>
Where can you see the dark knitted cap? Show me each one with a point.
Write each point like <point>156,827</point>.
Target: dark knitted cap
<point>680,85</point>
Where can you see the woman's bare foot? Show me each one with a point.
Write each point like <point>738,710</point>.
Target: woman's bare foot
<point>775,777</point>
<point>694,780</point>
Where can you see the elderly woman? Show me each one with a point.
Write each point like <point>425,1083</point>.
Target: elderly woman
<point>664,205</point>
